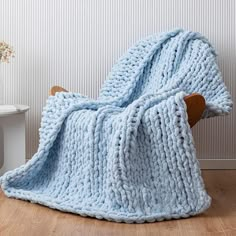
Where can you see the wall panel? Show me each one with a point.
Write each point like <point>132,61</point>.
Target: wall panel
<point>74,44</point>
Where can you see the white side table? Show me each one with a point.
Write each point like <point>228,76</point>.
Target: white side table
<point>12,136</point>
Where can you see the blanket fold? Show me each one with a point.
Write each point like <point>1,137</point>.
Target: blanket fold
<point>128,156</point>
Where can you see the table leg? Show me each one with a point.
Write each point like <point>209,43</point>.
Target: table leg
<point>12,142</point>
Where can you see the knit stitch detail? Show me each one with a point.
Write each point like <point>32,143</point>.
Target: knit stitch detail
<point>128,156</point>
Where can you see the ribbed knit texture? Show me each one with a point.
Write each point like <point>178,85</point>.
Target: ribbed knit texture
<point>129,155</point>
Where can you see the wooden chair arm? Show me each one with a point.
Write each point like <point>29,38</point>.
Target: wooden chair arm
<point>56,89</point>
<point>195,104</point>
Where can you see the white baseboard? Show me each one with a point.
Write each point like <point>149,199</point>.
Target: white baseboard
<point>218,164</point>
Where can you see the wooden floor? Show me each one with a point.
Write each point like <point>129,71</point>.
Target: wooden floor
<point>23,218</point>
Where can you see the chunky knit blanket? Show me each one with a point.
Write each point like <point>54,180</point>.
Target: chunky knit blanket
<point>129,155</point>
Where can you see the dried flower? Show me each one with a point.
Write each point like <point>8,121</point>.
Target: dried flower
<point>6,52</point>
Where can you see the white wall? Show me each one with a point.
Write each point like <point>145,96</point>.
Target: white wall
<point>74,44</point>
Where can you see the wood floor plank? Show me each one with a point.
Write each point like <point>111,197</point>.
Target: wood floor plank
<point>230,233</point>
<point>23,218</point>
<point>222,187</point>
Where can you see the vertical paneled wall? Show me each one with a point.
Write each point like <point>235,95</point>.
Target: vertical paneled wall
<point>74,44</point>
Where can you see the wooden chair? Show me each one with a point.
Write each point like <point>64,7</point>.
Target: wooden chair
<point>195,104</point>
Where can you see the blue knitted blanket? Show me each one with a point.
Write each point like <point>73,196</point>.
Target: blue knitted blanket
<point>128,156</point>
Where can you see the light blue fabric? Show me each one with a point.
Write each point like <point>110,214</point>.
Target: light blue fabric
<point>129,155</point>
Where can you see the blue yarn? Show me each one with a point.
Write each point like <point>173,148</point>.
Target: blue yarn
<point>128,156</point>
